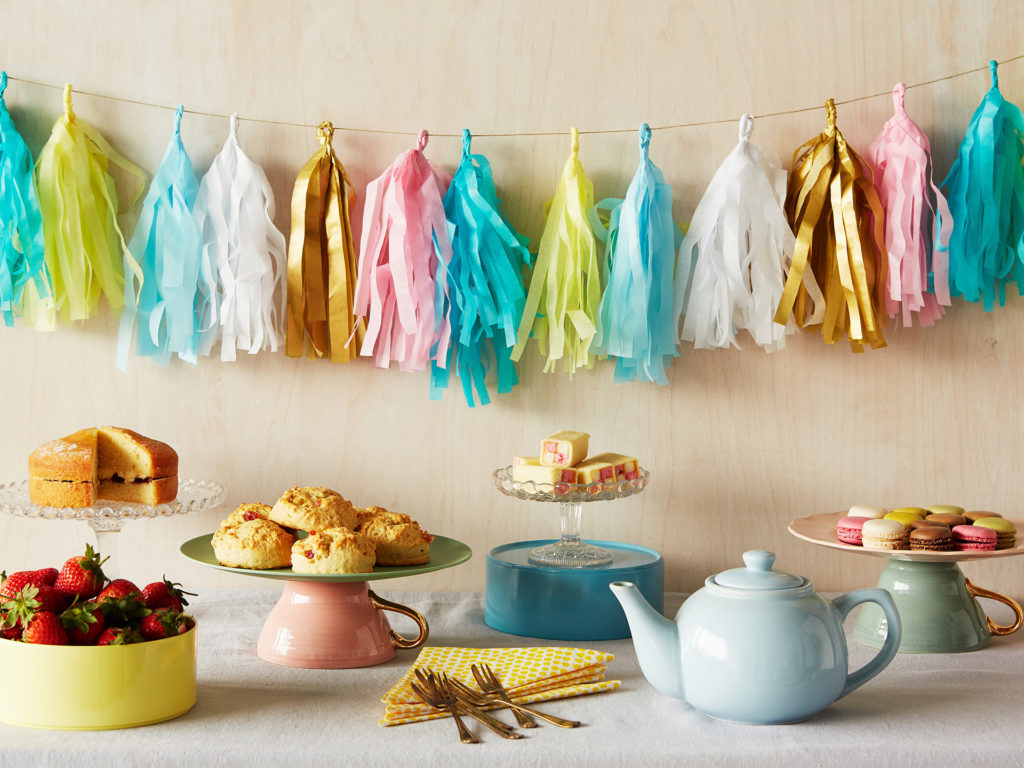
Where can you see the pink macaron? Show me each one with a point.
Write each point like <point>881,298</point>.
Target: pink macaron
<point>849,530</point>
<point>973,538</point>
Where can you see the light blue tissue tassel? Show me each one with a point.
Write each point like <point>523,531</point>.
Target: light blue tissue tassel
<point>636,321</point>
<point>21,222</point>
<point>484,281</point>
<point>986,201</point>
<point>172,309</point>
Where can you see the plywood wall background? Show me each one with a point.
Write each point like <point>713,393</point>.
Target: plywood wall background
<point>738,444</point>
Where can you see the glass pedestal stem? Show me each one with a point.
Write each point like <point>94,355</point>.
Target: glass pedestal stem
<point>570,551</point>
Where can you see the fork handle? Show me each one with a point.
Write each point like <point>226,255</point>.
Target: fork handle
<point>465,735</point>
<point>561,722</point>
<point>524,720</point>
<point>506,732</point>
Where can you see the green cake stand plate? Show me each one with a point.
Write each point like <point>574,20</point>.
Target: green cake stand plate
<point>938,605</point>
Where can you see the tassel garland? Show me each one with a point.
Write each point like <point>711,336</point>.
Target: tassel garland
<point>177,297</point>
<point>21,221</point>
<point>484,281</point>
<point>837,218</point>
<point>901,156</point>
<point>235,214</point>
<point>322,259</point>
<point>739,242</point>
<point>565,287</point>
<point>636,320</point>
<point>404,253</point>
<point>86,253</point>
<point>986,201</point>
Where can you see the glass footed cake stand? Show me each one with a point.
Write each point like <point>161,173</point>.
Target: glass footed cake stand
<point>109,517</point>
<point>570,551</point>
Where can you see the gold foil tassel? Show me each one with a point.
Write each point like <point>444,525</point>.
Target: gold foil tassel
<point>322,260</point>
<point>837,276</point>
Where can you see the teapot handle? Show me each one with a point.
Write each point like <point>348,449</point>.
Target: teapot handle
<point>844,604</point>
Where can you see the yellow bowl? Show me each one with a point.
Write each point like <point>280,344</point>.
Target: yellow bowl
<point>94,688</point>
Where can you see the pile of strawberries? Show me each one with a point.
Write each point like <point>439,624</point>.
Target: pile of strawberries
<point>79,606</point>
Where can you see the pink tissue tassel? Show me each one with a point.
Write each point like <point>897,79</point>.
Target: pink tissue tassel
<point>901,156</point>
<point>404,252</point>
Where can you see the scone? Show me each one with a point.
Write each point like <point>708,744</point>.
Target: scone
<point>258,544</point>
<point>365,514</point>
<point>313,509</point>
<point>399,539</point>
<point>245,513</point>
<point>333,550</point>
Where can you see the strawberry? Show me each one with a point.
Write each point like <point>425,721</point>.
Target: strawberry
<point>18,580</point>
<point>81,576</point>
<point>163,622</point>
<point>83,623</point>
<point>123,611</point>
<point>18,611</point>
<point>164,594</point>
<point>44,628</point>
<point>117,590</point>
<point>50,599</point>
<point>118,636</point>
<point>12,632</point>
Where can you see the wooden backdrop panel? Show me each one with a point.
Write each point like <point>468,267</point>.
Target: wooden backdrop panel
<point>739,442</point>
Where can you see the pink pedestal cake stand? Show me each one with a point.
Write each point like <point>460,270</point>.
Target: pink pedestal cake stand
<point>334,621</point>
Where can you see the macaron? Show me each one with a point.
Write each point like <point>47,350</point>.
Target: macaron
<point>883,534</point>
<point>973,517</point>
<point>903,518</point>
<point>1006,531</point>
<point>848,530</point>
<point>931,538</point>
<point>973,538</point>
<point>927,523</point>
<point>947,518</point>
<point>944,509</point>
<point>860,510</point>
<point>919,511</point>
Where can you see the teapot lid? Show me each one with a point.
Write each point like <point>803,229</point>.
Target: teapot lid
<point>758,574</point>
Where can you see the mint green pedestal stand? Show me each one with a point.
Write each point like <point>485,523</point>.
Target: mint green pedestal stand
<point>938,609</point>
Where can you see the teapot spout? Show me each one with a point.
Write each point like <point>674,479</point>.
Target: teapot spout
<point>655,638</point>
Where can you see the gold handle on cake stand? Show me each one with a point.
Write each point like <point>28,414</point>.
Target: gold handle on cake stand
<point>396,639</point>
<point>997,629</point>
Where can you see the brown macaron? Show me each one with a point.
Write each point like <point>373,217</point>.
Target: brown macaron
<point>935,538</point>
<point>977,515</point>
<point>928,523</point>
<point>947,518</point>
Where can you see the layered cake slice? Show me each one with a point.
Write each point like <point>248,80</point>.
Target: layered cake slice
<point>102,463</point>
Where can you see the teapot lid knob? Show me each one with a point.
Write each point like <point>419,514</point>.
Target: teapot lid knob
<point>759,559</point>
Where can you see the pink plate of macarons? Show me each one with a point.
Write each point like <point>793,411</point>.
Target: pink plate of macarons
<point>937,533</point>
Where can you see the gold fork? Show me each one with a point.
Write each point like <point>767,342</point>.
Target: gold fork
<point>441,688</point>
<point>465,735</point>
<point>486,699</point>
<point>489,683</point>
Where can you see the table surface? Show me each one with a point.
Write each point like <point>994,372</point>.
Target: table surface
<point>958,709</point>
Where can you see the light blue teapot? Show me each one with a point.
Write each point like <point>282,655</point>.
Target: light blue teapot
<point>754,645</point>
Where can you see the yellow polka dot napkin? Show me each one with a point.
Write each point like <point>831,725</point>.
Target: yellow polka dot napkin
<point>528,674</point>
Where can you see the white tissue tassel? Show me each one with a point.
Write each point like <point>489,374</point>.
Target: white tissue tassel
<point>738,245</point>
<point>235,208</point>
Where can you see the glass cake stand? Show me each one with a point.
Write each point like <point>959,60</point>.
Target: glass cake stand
<point>108,517</point>
<point>570,551</point>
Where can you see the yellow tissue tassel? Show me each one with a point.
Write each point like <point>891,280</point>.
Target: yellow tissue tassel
<point>836,216</point>
<point>85,249</point>
<point>322,260</point>
<point>565,283</point>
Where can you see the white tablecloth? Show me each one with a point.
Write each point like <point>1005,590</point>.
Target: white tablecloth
<point>933,710</point>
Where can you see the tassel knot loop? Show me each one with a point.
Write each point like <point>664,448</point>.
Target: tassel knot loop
<point>898,91</point>
<point>830,116</point>
<point>467,139</point>
<point>746,127</point>
<point>69,114</point>
<point>645,137</point>
<point>233,130</point>
<point>422,139</point>
<point>325,132</point>
<point>3,83</point>
<point>574,142</point>
<point>995,75</point>
<point>177,119</point>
